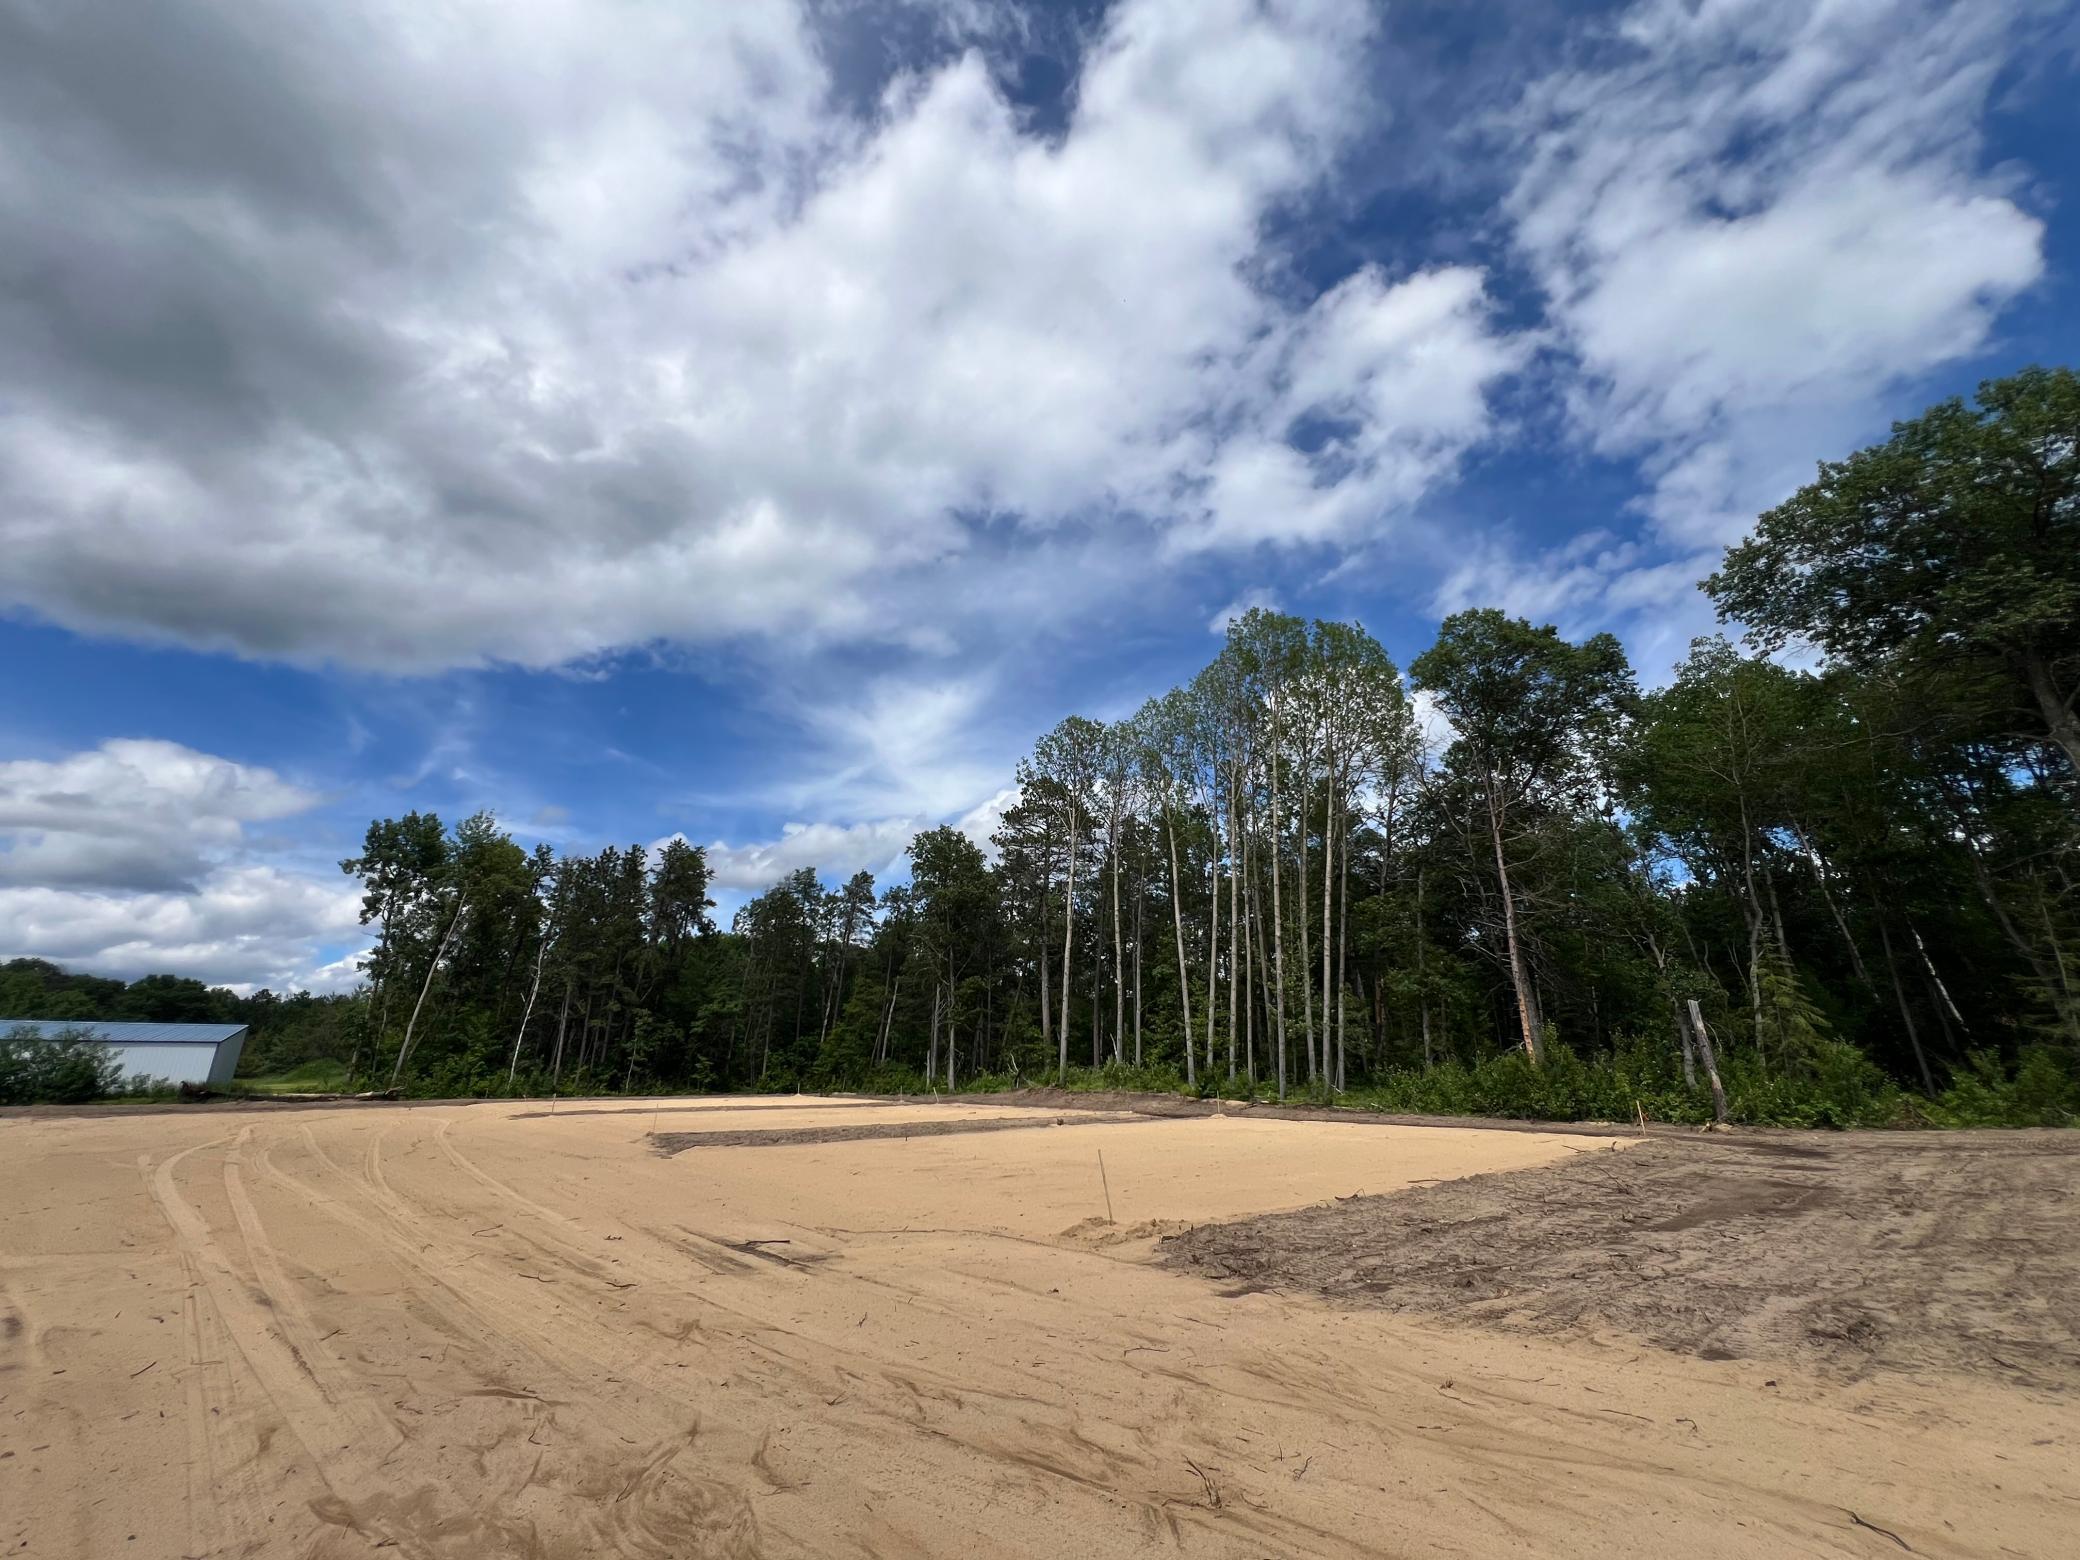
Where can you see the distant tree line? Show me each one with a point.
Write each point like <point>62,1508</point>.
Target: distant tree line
<point>283,1030</point>
<point>1844,861</point>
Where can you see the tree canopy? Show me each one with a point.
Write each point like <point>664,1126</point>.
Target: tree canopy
<point>1847,875</point>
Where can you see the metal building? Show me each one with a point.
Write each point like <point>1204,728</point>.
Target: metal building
<point>178,1053</point>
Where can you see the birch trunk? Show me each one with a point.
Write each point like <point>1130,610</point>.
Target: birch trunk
<point>1819,865</point>
<point>1527,1003</point>
<point>527,1013</point>
<point>1278,925</point>
<point>1906,1016</point>
<point>1936,980</point>
<point>405,1049</point>
<point>1753,909</point>
<point>1422,979</point>
<point>1306,956</point>
<point>1238,969</point>
<point>1119,957</point>
<point>1046,976</point>
<point>1068,941</point>
<point>2057,708</point>
<point>1184,987</point>
<point>1343,956</point>
<point>562,1022</point>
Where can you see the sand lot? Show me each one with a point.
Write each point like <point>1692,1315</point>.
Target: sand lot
<point>490,1330</point>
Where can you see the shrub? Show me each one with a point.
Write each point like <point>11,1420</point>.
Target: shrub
<point>64,1069</point>
<point>2044,1092</point>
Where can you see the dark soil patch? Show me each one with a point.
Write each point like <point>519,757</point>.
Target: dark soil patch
<point>1165,1105</point>
<point>633,1106</point>
<point>1852,1253</point>
<point>669,1143</point>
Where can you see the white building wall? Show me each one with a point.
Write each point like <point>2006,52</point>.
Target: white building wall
<point>174,1063</point>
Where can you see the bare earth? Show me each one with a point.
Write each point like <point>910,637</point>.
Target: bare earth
<point>493,1330</point>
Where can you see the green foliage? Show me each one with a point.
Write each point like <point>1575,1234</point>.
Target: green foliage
<point>1800,1038</point>
<point>1862,872</point>
<point>1953,545</point>
<point>64,1068</point>
<point>320,1075</point>
<point>2043,1091</point>
<point>1124,1078</point>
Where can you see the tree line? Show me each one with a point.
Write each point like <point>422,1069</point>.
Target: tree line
<point>1832,859</point>
<point>281,1029</point>
<point>1278,876</point>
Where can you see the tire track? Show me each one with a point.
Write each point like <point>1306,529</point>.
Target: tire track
<point>1007,1432</point>
<point>671,1510</point>
<point>245,1321</point>
<point>788,1367</point>
<point>346,1439</point>
<point>374,1436</point>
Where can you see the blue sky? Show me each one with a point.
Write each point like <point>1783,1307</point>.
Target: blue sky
<point>759,423</point>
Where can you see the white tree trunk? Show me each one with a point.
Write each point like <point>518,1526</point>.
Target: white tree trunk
<point>1238,972</point>
<point>425,986</point>
<point>527,1013</point>
<point>1278,925</point>
<point>1527,1004</point>
<point>1068,941</point>
<point>1184,985</point>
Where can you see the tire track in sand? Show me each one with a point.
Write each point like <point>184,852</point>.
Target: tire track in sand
<point>666,1507</point>
<point>246,1320</point>
<point>1008,1438</point>
<point>347,1439</point>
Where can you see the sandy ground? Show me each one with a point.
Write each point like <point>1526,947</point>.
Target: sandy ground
<point>451,1331</point>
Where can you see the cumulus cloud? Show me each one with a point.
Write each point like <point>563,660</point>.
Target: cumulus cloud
<point>133,857</point>
<point>837,850</point>
<point>829,848</point>
<point>244,927</point>
<point>131,814</point>
<point>413,338</point>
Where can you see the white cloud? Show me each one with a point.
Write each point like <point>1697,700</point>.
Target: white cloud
<point>412,338</point>
<point>131,814</point>
<point>1591,582</point>
<point>1752,217</point>
<point>133,857</point>
<point>1249,601</point>
<point>835,851</point>
<point>1564,584</point>
<point>1753,220</point>
<point>1434,728</point>
<point>1392,380</point>
<point>244,927</point>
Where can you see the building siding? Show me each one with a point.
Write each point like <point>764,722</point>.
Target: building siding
<point>204,1054</point>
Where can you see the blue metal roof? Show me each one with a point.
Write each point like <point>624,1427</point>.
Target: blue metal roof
<point>127,1034</point>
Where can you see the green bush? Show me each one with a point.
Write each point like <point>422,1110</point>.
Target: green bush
<point>1122,1077</point>
<point>1825,1084</point>
<point>64,1069</point>
<point>2044,1092</point>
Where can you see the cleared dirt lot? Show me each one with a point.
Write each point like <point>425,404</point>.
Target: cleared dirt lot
<point>488,1330</point>
<point>1908,1252</point>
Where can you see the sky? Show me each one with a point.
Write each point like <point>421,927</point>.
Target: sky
<point>760,422</point>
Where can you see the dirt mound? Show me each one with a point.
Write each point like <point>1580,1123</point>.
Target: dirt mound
<point>1100,1231</point>
<point>1850,1253</point>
